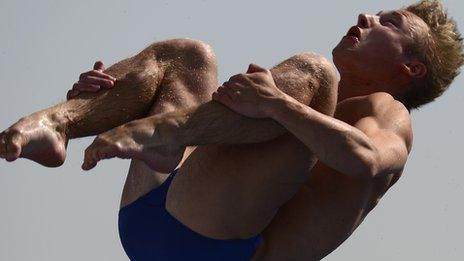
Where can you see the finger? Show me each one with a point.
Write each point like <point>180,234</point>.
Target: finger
<point>233,86</point>
<point>220,88</point>
<point>216,97</point>
<point>105,83</point>
<point>232,93</point>
<point>241,78</point>
<point>71,94</point>
<point>97,73</point>
<point>223,97</point>
<point>236,85</point>
<point>99,66</point>
<point>252,68</point>
<point>230,85</point>
<point>84,87</point>
<point>236,77</point>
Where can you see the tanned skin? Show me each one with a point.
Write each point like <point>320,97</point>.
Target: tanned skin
<point>244,196</point>
<point>216,190</point>
<point>361,151</point>
<point>155,73</point>
<point>371,131</point>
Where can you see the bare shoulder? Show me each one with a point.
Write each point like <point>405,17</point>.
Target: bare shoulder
<point>385,106</point>
<point>393,115</point>
<point>388,113</point>
<point>375,104</point>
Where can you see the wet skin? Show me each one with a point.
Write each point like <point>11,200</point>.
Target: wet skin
<point>253,181</point>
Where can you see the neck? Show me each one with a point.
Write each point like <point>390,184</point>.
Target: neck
<point>351,85</point>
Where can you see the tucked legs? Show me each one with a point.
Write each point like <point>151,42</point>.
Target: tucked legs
<point>43,136</point>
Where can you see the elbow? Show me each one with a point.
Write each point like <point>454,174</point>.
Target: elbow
<point>364,171</point>
<point>371,168</point>
<point>367,165</point>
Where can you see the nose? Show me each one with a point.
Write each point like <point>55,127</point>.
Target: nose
<point>364,21</point>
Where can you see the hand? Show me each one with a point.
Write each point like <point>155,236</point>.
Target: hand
<point>92,81</point>
<point>251,94</point>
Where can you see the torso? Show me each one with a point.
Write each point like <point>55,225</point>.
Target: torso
<point>227,192</point>
<point>324,212</point>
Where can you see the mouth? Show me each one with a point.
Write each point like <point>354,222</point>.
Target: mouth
<point>354,33</point>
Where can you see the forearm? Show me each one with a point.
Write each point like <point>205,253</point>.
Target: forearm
<point>335,143</point>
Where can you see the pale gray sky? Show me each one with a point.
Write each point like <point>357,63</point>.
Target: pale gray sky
<point>66,214</point>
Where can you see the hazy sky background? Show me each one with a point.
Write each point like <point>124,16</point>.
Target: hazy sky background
<point>67,214</point>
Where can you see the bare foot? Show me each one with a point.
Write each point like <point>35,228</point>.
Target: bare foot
<point>34,137</point>
<point>136,140</point>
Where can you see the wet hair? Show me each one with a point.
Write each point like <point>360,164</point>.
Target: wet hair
<point>440,49</point>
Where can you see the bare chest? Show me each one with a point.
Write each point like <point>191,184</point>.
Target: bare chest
<point>321,215</point>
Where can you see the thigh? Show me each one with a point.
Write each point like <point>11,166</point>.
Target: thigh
<point>245,184</point>
<point>190,77</point>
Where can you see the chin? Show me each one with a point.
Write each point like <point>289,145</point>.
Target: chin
<point>342,58</point>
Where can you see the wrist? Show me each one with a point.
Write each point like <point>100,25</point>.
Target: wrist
<point>277,106</point>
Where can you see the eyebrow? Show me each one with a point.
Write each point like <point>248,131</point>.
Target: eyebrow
<point>398,15</point>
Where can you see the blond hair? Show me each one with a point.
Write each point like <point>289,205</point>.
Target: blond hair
<point>441,50</point>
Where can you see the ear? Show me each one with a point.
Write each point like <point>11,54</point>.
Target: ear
<point>414,69</point>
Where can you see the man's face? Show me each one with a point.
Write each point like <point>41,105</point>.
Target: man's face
<point>374,48</point>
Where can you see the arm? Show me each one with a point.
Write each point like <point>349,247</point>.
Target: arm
<point>376,144</point>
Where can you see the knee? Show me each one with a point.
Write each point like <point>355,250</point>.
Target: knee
<point>195,49</point>
<point>318,66</point>
<point>325,97</point>
<point>189,52</point>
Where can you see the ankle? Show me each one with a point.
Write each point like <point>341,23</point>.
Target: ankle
<point>166,133</point>
<point>59,121</point>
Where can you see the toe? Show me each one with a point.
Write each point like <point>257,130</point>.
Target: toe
<point>104,154</point>
<point>109,151</point>
<point>91,155</point>
<point>88,165</point>
<point>88,159</point>
<point>13,147</point>
<point>2,145</point>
